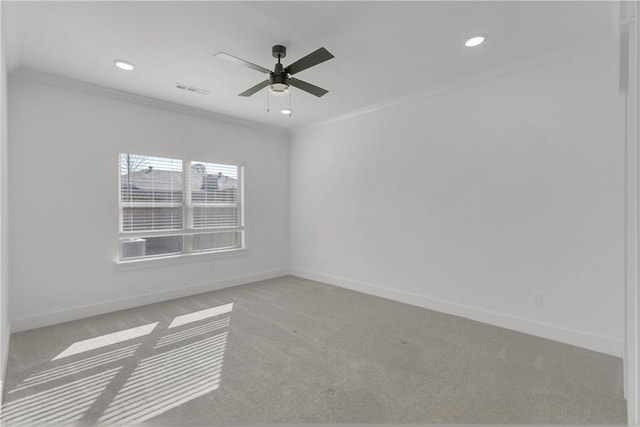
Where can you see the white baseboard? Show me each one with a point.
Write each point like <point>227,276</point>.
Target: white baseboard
<point>52,318</point>
<point>532,327</point>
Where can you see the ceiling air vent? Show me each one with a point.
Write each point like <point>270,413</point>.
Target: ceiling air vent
<point>188,88</point>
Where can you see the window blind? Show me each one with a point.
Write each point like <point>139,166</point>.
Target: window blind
<point>150,193</point>
<point>214,195</point>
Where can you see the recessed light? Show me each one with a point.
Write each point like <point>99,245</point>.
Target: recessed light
<point>474,41</point>
<point>124,65</point>
<point>286,111</point>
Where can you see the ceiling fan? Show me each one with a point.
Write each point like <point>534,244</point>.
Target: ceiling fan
<point>280,78</point>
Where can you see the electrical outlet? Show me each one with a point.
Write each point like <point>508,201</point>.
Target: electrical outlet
<point>536,298</point>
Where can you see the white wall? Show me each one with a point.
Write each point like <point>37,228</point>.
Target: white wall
<point>470,199</point>
<point>64,143</point>
<point>4,211</point>
<point>630,83</point>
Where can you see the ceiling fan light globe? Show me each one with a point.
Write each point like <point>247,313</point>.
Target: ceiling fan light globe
<point>279,89</point>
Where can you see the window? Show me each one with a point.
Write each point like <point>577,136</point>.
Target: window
<point>171,207</point>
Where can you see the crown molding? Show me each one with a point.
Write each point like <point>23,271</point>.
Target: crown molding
<point>93,89</point>
<point>527,63</point>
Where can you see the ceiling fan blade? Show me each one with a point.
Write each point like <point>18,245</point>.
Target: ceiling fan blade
<point>256,88</point>
<point>307,87</point>
<point>314,58</point>
<point>242,62</point>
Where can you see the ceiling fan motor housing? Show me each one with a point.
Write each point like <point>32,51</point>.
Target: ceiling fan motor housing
<point>279,75</point>
<point>279,78</point>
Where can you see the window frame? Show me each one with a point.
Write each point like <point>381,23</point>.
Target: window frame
<point>188,230</point>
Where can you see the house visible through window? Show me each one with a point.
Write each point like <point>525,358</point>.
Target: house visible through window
<point>172,206</point>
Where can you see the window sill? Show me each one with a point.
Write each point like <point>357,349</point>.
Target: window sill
<point>177,259</point>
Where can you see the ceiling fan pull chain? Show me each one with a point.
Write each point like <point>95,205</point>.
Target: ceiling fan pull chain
<point>290,110</point>
<point>268,100</point>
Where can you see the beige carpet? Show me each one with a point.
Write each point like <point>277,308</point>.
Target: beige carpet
<point>292,350</point>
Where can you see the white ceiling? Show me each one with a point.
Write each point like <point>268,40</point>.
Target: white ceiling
<point>383,50</point>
